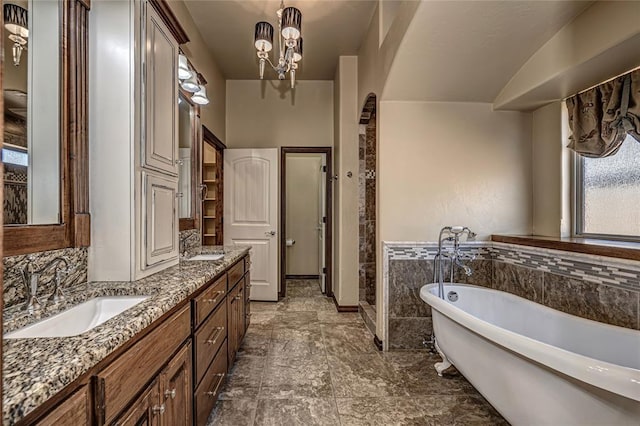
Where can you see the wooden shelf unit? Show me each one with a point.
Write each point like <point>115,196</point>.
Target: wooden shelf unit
<point>212,179</point>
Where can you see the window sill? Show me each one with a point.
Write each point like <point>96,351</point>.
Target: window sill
<point>608,248</point>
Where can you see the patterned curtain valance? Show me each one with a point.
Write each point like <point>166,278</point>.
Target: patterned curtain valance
<point>601,118</point>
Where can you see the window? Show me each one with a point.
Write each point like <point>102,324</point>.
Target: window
<point>608,194</point>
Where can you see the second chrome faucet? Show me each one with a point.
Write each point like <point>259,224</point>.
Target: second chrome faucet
<point>31,278</point>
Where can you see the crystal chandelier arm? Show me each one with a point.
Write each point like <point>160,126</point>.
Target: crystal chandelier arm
<point>279,13</point>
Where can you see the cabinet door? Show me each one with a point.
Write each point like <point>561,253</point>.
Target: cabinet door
<point>146,411</point>
<point>241,313</point>
<point>247,297</point>
<point>160,139</point>
<point>232,325</point>
<point>177,392</point>
<point>72,412</point>
<point>159,219</point>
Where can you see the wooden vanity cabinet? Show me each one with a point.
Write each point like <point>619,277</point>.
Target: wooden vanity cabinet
<point>75,410</point>
<point>175,389</point>
<point>236,308</point>
<point>167,400</point>
<point>119,383</point>
<point>144,411</point>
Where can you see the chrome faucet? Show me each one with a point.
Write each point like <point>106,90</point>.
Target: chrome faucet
<point>31,278</point>
<point>456,257</point>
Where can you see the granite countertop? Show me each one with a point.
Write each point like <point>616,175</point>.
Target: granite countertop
<point>36,369</point>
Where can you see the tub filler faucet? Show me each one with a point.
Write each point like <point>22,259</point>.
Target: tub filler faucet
<point>455,256</point>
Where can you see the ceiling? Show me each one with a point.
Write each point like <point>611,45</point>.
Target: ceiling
<point>330,28</point>
<point>467,51</point>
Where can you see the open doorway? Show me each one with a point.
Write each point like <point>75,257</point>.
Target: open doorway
<point>306,221</point>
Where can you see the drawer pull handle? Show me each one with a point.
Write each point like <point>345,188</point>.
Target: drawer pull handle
<point>212,340</point>
<point>238,297</point>
<point>170,393</point>
<point>220,292</point>
<point>159,410</point>
<point>215,391</point>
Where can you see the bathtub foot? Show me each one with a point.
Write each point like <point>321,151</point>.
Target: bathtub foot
<point>445,364</point>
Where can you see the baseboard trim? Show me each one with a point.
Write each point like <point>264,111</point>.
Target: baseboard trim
<point>344,308</point>
<point>377,342</point>
<point>302,277</point>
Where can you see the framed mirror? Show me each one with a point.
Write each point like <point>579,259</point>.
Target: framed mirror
<point>45,203</point>
<point>189,138</point>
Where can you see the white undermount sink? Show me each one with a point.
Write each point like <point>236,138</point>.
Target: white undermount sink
<point>207,257</point>
<point>79,319</point>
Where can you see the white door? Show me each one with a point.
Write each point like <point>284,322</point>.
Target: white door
<point>321,221</point>
<point>251,213</point>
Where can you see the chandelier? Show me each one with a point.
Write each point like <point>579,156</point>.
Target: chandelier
<point>16,21</point>
<point>289,43</point>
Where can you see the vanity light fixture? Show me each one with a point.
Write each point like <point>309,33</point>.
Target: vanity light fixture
<point>184,72</point>
<point>16,21</point>
<point>289,42</point>
<point>200,97</point>
<point>190,81</point>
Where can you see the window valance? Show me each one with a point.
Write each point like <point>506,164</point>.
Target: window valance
<point>601,118</point>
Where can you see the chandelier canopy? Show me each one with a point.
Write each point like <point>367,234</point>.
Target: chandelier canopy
<point>289,43</point>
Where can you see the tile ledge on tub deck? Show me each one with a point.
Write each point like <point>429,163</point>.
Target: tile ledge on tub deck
<point>34,370</point>
<point>626,250</point>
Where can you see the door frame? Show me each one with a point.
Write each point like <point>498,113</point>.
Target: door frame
<point>328,247</point>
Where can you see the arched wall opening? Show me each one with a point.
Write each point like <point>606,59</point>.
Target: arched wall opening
<point>367,212</point>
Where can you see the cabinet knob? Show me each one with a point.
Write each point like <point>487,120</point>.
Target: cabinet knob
<point>170,393</point>
<point>158,409</point>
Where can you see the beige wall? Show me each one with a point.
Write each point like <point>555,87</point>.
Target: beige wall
<point>600,43</point>
<point>346,188</point>
<point>453,164</point>
<point>213,114</point>
<point>303,213</point>
<point>550,164</point>
<point>268,114</point>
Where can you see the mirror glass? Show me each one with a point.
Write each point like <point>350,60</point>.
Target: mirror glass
<point>186,137</point>
<point>31,85</point>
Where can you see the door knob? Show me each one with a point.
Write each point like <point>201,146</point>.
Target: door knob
<point>270,233</point>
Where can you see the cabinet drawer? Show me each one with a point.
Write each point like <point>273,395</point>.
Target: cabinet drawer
<point>127,375</point>
<point>209,338</point>
<point>73,411</point>
<point>235,273</point>
<point>209,299</point>
<point>207,392</point>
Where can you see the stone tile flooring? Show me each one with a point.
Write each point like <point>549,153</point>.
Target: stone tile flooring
<point>303,363</point>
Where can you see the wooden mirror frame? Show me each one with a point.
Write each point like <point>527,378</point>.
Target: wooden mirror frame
<point>75,227</point>
<point>193,222</point>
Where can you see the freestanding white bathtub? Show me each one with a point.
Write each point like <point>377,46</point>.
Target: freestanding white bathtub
<point>536,365</point>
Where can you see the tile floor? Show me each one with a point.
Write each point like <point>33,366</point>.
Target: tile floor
<point>303,363</point>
